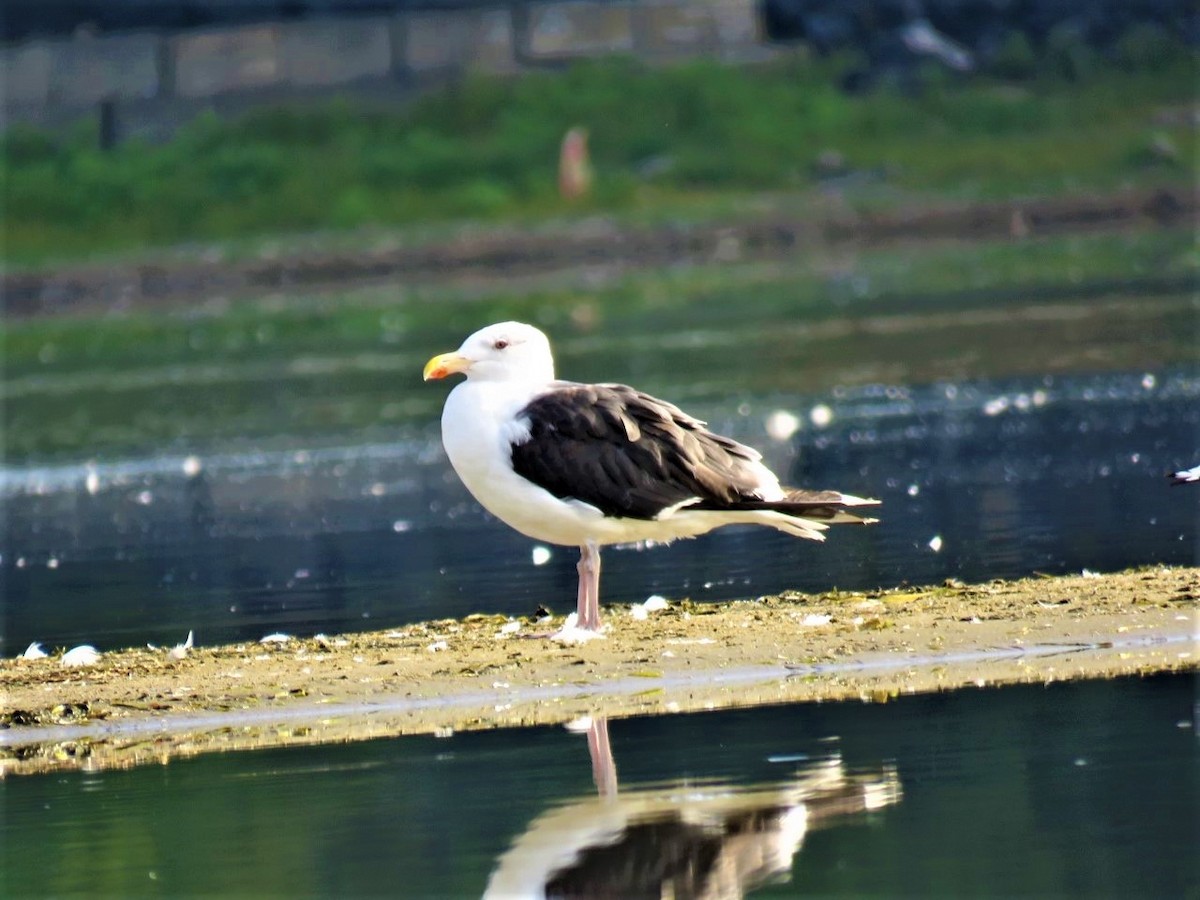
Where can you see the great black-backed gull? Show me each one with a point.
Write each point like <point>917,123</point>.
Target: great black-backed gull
<point>592,464</point>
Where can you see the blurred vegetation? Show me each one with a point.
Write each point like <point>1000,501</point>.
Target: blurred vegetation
<point>326,365</point>
<point>662,140</point>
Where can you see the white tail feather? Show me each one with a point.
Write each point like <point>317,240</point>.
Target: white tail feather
<point>851,500</point>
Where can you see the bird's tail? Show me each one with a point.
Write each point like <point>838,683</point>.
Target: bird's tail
<point>805,514</point>
<point>828,507</point>
<point>831,507</point>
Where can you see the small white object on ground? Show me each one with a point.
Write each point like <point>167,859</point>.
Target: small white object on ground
<point>34,651</point>
<point>653,603</point>
<point>815,620</point>
<point>83,655</point>
<point>508,628</point>
<point>437,646</point>
<point>179,651</point>
<point>571,633</point>
<point>277,637</point>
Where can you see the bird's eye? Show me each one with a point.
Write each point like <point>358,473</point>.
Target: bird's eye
<point>500,343</point>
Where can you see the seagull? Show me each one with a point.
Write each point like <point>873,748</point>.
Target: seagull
<point>1186,476</point>
<point>589,465</point>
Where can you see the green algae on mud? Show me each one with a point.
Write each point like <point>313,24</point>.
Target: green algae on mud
<point>139,706</point>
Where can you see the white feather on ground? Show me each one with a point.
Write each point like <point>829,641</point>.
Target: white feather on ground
<point>83,655</point>
<point>33,651</point>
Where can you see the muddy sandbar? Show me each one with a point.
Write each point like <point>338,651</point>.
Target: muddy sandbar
<point>142,705</point>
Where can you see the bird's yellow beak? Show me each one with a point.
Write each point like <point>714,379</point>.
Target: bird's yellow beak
<point>446,364</point>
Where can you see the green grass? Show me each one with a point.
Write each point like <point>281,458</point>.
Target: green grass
<point>486,149</point>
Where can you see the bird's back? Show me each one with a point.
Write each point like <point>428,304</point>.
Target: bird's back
<point>632,455</point>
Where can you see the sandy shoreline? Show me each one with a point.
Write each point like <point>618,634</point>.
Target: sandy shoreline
<point>141,706</point>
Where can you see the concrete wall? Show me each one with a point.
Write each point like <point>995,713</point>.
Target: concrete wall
<point>51,81</point>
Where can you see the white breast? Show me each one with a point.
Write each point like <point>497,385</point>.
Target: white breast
<point>478,431</point>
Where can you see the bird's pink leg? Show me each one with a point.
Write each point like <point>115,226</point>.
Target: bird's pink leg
<point>588,604</point>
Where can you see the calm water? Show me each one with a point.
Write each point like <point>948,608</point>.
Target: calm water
<point>1005,477</point>
<point>1084,789</point>
<point>303,488</point>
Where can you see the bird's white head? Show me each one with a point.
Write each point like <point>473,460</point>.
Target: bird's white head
<point>506,351</point>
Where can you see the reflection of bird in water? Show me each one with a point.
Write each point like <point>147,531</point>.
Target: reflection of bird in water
<point>594,464</point>
<point>698,840</point>
<point>1186,476</point>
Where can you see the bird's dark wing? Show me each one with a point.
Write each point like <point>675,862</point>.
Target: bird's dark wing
<point>629,454</point>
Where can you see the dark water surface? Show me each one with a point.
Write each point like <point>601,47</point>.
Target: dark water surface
<point>978,479</point>
<point>1083,789</point>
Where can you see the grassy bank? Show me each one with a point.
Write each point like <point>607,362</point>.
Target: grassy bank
<point>663,141</point>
